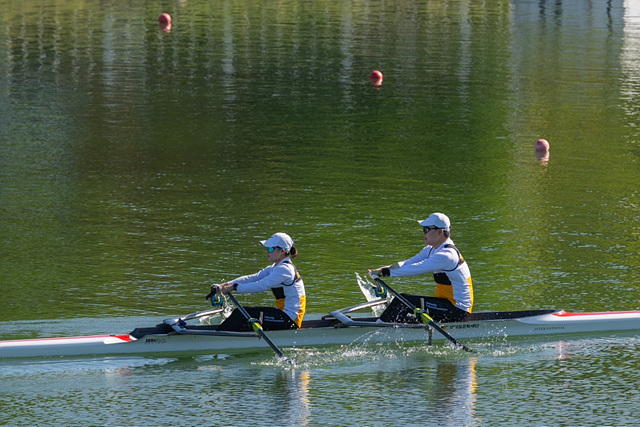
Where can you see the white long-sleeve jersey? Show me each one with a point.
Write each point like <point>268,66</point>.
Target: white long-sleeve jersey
<point>450,272</point>
<point>286,284</point>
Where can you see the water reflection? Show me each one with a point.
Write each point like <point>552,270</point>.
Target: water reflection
<point>455,389</point>
<point>543,157</point>
<point>290,394</point>
<point>108,366</point>
<point>402,386</point>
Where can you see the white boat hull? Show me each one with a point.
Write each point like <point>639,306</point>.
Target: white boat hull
<point>556,323</point>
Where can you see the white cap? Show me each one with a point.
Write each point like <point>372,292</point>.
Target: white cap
<point>281,240</point>
<point>439,220</point>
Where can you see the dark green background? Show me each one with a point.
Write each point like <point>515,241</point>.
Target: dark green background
<point>137,166</point>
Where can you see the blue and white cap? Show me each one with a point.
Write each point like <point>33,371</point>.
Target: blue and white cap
<point>281,240</point>
<point>439,220</point>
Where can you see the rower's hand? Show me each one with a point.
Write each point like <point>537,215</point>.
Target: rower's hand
<point>215,289</point>
<point>226,287</point>
<point>379,272</point>
<point>374,274</point>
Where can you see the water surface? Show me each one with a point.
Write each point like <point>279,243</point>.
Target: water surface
<point>138,166</point>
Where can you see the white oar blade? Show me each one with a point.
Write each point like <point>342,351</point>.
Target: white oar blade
<point>368,289</point>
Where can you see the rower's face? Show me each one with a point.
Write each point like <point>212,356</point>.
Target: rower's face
<point>276,254</point>
<point>431,235</point>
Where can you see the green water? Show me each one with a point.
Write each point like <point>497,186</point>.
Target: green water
<point>139,166</point>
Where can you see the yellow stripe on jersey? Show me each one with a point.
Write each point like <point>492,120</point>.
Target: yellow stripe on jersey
<point>303,309</point>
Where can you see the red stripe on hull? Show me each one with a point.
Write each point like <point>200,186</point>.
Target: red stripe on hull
<point>601,313</point>
<point>123,337</point>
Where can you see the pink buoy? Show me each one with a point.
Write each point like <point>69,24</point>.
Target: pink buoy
<point>165,18</point>
<point>376,78</point>
<point>542,145</point>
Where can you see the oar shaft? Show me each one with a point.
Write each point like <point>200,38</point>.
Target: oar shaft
<point>423,316</point>
<point>257,327</point>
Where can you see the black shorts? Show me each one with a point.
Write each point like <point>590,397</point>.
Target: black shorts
<point>439,309</point>
<point>271,319</point>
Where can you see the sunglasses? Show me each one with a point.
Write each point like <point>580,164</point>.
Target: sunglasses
<point>425,230</point>
<point>273,248</point>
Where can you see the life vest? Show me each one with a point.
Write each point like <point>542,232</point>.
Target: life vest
<point>455,284</point>
<point>279,294</point>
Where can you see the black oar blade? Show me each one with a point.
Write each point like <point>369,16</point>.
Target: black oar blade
<point>423,316</point>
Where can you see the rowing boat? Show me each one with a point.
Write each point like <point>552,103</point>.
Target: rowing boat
<point>179,335</point>
<point>195,332</point>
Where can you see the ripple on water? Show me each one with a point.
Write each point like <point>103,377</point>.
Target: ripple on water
<point>75,366</point>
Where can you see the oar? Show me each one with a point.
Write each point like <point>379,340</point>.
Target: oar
<point>257,327</point>
<point>423,316</point>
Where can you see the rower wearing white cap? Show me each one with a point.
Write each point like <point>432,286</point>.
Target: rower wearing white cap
<point>285,282</point>
<point>454,290</point>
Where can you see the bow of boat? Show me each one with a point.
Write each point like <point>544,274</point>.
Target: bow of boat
<point>61,346</point>
<point>594,321</point>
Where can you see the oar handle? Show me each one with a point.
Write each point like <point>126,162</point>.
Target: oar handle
<point>423,316</point>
